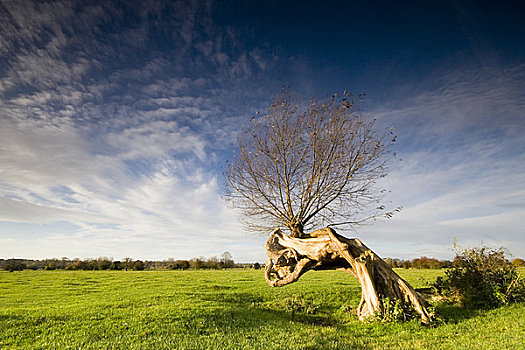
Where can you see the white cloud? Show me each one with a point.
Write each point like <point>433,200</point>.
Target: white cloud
<point>462,176</point>
<point>121,148</point>
<point>121,136</point>
<point>50,175</point>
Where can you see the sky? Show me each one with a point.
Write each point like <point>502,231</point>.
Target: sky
<point>117,119</point>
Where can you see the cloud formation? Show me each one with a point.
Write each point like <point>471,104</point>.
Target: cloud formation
<point>122,151</point>
<point>116,119</point>
<point>462,169</point>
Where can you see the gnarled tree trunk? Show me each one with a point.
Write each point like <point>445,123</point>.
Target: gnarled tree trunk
<point>290,257</point>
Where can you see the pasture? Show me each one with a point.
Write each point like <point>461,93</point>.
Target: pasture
<point>226,309</point>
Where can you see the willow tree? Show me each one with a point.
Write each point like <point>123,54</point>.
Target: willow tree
<point>302,169</point>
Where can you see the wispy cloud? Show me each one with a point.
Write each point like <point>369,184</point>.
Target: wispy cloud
<point>124,152</point>
<point>461,165</point>
<point>116,120</point>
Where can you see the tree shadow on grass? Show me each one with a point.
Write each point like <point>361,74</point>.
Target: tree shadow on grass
<point>254,311</point>
<point>455,314</point>
<point>256,322</point>
<point>279,311</point>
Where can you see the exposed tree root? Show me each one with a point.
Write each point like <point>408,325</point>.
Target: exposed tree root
<point>289,258</point>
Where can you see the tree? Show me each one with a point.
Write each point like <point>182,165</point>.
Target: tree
<point>212,263</point>
<point>180,265</point>
<point>128,263</point>
<point>302,167</point>
<point>12,265</point>
<point>197,263</point>
<point>227,260</point>
<point>296,164</point>
<point>138,265</point>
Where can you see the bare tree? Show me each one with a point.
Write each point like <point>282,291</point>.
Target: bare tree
<point>303,167</point>
<point>227,260</point>
<point>300,163</point>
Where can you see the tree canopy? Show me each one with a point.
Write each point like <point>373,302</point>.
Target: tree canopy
<point>304,165</point>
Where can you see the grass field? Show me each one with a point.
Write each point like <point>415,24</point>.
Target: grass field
<point>229,309</point>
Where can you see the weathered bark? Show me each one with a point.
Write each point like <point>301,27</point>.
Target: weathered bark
<point>296,229</point>
<point>290,257</point>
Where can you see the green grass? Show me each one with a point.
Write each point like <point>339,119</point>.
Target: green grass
<point>231,309</point>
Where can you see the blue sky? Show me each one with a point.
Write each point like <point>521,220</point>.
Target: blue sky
<point>117,118</point>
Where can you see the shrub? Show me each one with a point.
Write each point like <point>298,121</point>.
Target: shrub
<point>393,311</point>
<point>518,262</point>
<point>481,278</point>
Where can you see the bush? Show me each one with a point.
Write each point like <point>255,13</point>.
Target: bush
<point>518,262</point>
<point>393,311</point>
<point>481,278</point>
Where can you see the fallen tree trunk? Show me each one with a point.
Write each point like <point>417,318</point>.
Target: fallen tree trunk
<point>289,258</point>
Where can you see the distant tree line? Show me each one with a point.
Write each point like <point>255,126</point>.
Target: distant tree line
<point>432,263</point>
<point>102,263</point>
<point>419,263</point>
<point>225,261</point>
